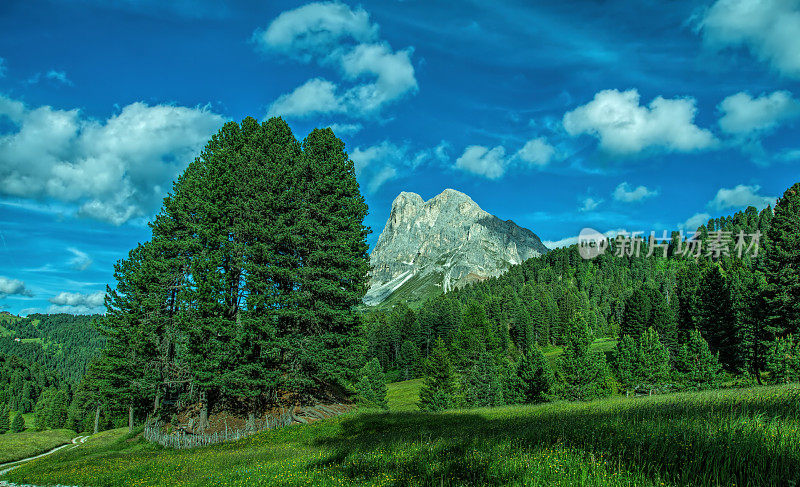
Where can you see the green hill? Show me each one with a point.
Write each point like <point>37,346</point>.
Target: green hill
<point>62,342</point>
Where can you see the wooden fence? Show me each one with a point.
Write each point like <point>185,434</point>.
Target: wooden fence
<point>154,431</point>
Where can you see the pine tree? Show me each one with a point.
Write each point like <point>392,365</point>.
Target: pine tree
<point>481,385</point>
<point>372,385</point>
<point>654,362</point>
<point>584,373</point>
<point>18,424</point>
<point>333,250</point>
<point>535,377</point>
<point>688,293</point>
<point>783,361</point>
<point>638,310</point>
<point>781,266</point>
<point>716,320</point>
<point>409,359</point>
<point>627,363</point>
<point>439,387</point>
<point>44,408</point>
<point>5,422</point>
<point>697,367</point>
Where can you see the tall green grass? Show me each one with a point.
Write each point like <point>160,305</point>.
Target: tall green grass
<point>747,437</point>
<point>16,446</point>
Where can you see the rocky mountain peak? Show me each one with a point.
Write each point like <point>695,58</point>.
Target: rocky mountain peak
<point>445,242</point>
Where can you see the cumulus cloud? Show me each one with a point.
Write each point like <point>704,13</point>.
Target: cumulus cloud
<point>767,28</point>
<point>480,160</point>
<point>694,221</point>
<point>332,34</point>
<point>625,127</point>
<point>590,204</point>
<point>380,163</point>
<point>13,287</point>
<point>743,114</point>
<point>537,152</point>
<point>741,196</point>
<point>308,32</point>
<point>80,260</point>
<point>626,194</point>
<point>93,300</point>
<point>316,95</point>
<point>113,170</point>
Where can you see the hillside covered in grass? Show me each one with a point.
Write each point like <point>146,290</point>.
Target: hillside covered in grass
<point>737,437</point>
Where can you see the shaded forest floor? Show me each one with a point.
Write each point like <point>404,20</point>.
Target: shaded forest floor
<point>742,437</point>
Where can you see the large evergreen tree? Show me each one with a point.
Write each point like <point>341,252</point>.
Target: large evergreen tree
<point>250,282</point>
<point>781,266</point>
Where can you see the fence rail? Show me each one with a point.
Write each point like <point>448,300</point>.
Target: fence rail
<point>179,439</point>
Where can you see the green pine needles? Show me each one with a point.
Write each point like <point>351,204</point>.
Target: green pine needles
<point>249,285</point>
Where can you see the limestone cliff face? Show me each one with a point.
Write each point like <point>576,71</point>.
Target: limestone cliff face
<point>443,243</point>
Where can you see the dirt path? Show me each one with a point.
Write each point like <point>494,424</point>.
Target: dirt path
<point>7,467</point>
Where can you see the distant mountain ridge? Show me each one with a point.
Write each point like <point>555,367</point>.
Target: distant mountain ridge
<point>434,246</point>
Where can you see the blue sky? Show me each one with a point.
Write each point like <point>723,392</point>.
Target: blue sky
<point>558,115</point>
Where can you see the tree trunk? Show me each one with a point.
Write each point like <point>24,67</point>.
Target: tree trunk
<point>130,418</point>
<point>97,419</point>
<point>251,423</point>
<point>203,413</point>
<point>156,402</point>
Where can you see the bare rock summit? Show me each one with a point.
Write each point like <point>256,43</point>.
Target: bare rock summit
<point>434,246</point>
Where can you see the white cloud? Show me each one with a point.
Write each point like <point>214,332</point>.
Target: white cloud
<point>377,164</point>
<point>93,300</point>
<point>789,155</point>
<point>743,114</point>
<point>537,152</point>
<point>80,260</point>
<point>694,221</point>
<point>590,204</point>
<point>342,129</point>
<point>332,34</point>
<point>741,196</point>
<point>52,75</point>
<point>310,31</point>
<point>59,76</point>
<point>626,194</point>
<point>113,170</point>
<point>480,160</point>
<point>13,287</point>
<point>315,96</point>
<point>768,28</point>
<point>624,127</point>
<point>393,73</point>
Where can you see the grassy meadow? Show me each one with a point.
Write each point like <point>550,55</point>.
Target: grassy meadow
<point>728,437</point>
<point>16,446</point>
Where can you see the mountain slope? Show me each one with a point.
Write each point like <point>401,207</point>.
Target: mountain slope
<point>433,246</point>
